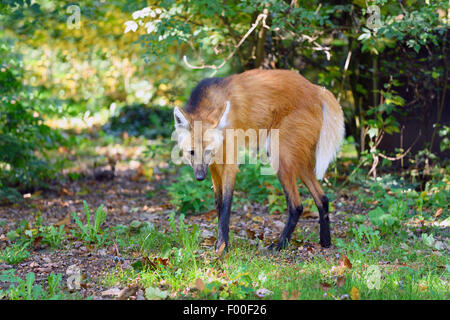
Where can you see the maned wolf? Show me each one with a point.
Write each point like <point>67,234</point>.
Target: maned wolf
<point>310,128</point>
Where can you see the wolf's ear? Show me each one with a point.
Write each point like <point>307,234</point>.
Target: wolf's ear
<point>224,118</point>
<point>180,119</point>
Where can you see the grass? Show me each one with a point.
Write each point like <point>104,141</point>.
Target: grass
<point>245,269</point>
<point>91,232</point>
<point>392,256</point>
<point>175,260</point>
<point>29,290</point>
<point>396,243</point>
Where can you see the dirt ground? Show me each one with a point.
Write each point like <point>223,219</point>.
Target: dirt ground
<point>125,199</point>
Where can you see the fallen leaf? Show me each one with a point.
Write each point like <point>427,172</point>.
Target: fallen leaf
<point>200,285</point>
<point>344,263</point>
<point>325,286</point>
<point>209,241</point>
<point>136,224</point>
<point>293,296</point>
<point>210,215</point>
<point>37,241</point>
<point>128,291</point>
<point>257,219</point>
<point>220,250</point>
<point>340,281</point>
<point>438,212</point>
<point>354,293</point>
<point>251,234</point>
<point>163,262</point>
<point>310,215</point>
<point>36,194</point>
<point>151,264</point>
<point>66,221</point>
<point>65,192</point>
<point>141,171</point>
<point>423,287</point>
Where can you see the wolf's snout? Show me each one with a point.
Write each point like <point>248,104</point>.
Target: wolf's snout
<point>200,172</point>
<point>200,176</point>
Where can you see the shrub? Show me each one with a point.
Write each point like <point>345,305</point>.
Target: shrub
<point>24,137</point>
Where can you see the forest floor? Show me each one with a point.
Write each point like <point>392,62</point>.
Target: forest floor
<point>141,250</point>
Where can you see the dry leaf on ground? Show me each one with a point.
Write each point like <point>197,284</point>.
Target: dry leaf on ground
<point>354,293</point>
<point>199,284</point>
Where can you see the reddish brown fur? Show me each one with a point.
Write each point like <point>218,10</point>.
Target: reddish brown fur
<point>270,99</point>
<point>275,99</point>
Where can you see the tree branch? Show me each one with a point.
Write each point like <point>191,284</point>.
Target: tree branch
<point>261,18</point>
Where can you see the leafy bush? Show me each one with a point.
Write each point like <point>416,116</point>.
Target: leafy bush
<point>23,136</point>
<point>257,187</point>
<point>382,220</point>
<point>190,195</point>
<point>138,119</point>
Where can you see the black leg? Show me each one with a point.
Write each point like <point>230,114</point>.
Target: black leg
<point>286,234</point>
<point>218,199</point>
<point>294,212</point>
<point>324,222</point>
<point>224,217</point>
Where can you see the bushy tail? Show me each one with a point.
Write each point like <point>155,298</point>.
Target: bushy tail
<point>331,134</point>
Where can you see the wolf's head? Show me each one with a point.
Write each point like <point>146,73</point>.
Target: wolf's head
<point>199,126</point>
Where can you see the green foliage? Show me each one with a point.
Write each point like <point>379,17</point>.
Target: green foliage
<point>190,195</point>
<point>91,232</point>
<point>29,290</point>
<point>22,132</point>
<point>383,221</point>
<point>444,132</point>
<point>185,237</point>
<point>250,187</point>
<point>52,235</point>
<point>15,253</point>
<point>258,187</point>
<point>151,122</point>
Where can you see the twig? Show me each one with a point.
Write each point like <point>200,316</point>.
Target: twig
<point>261,18</point>
<point>347,62</point>
<point>318,8</point>
<point>379,154</point>
<point>404,153</point>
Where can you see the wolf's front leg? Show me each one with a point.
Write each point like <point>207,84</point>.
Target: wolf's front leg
<point>223,177</point>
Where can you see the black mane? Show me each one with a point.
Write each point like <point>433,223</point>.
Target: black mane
<point>199,92</point>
